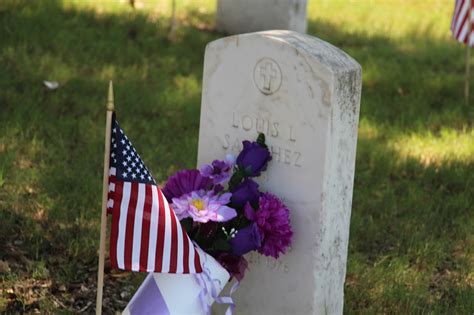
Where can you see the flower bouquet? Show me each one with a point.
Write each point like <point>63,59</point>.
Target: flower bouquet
<point>226,215</point>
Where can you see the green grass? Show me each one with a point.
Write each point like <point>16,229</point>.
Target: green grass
<point>411,246</point>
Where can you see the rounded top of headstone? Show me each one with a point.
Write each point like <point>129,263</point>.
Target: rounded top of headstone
<point>329,56</point>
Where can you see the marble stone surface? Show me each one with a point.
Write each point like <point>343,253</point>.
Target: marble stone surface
<point>304,95</point>
<point>243,16</point>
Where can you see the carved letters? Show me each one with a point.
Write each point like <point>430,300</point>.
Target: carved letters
<point>271,129</point>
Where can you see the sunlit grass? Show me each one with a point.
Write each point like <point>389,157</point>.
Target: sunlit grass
<point>447,146</point>
<point>394,19</point>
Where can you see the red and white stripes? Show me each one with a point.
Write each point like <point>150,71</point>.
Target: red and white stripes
<point>146,234</point>
<point>463,22</point>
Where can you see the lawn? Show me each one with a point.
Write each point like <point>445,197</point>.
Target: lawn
<point>411,248</point>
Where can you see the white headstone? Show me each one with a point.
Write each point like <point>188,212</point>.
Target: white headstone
<point>304,95</point>
<point>243,16</point>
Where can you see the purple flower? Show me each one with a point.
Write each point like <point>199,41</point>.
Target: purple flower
<point>246,240</point>
<point>204,206</point>
<point>273,220</point>
<point>218,188</point>
<point>219,171</point>
<point>235,265</point>
<point>249,212</point>
<point>253,158</point>
<point>184,182</point>
<point>247,191</point>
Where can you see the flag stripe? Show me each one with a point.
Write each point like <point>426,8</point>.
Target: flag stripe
<point>192,254</point>
<point>462,27</point>
<point>197,261</point>
<point>185,251</point>
<point>146,222</point>
<point>180,243</point>
<point>137,228</point>
<point>123,224</point>
<point>165,267</point>
<point>115,225</point>
<point>153,229</point>
<point>161,234</point>
<point>174,244</point>
<point>132,208</point>
<point>459,16</point>
<point>457,12</point>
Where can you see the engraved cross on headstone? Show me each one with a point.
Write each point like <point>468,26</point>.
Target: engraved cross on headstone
<point>268,74</point>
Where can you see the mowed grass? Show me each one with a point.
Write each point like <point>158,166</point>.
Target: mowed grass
<point>411,248</point>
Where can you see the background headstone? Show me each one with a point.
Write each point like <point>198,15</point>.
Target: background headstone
<point>243,16</point>
<point>304,95</point>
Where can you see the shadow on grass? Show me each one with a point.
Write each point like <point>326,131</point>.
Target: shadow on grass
<point>410,248</point>
<point>412,84</point>
<point>408,219</point>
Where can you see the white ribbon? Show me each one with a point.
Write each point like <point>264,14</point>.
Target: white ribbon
<point>212,286</point>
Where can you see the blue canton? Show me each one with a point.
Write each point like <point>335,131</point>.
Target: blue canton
<point>127,162</point>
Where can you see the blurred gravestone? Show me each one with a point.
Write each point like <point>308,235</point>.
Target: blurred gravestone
<point>243,16</point>
<point>304,95</point>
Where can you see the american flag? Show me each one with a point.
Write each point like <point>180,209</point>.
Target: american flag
<point>462,23</point>
<point>146,234</point>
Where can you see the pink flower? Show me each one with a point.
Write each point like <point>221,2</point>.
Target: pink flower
<point>204,206</point>
<point>273,219</point>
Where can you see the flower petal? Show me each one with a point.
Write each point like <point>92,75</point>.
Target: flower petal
<point>225,214</point>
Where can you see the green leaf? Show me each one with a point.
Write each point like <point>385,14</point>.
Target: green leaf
<point>261,140</point>
<point>222,245</point>
<point>236,178</point>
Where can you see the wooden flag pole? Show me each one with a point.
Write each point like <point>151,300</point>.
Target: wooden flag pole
<point>105,192</point>
<point>468,54</point>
